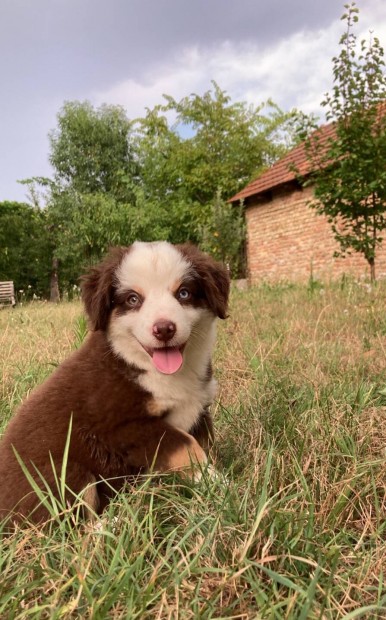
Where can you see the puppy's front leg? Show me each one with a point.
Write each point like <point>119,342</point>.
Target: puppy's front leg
<point>153,444</point>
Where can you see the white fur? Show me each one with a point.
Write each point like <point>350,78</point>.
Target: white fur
<point>155,271</point>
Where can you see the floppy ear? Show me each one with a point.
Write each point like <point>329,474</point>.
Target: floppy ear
<point>98,286</point>
<point>214,278</point>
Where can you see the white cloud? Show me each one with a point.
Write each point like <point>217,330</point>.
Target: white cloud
<point>296,72</point>
<point>179,77</point>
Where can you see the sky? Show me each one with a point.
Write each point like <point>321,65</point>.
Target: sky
<point>131,52</point>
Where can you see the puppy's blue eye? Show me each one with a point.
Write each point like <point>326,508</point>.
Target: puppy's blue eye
<point>184,294</point>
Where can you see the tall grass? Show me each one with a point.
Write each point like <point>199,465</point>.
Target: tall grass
<point>294,524</point>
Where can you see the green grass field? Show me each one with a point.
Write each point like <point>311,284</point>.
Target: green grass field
<point>293,527</point>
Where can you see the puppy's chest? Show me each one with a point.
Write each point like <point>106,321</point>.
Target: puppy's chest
<point>179,400</point>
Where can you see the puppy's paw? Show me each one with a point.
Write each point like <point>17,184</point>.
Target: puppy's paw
<point>103,525</point>
<point>209,473</point>
<point>188,459</point>
<point>206,471</point>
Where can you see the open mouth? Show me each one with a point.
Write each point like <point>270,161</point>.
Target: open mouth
<point>167,359</point>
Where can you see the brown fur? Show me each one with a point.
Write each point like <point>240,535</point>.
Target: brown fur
<point>213,278</point>
<point>118,430</point>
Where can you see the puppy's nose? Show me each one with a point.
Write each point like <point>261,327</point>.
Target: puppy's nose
<point>164,330</point>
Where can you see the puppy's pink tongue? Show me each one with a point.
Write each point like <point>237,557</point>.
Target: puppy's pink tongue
<point>167,360</point>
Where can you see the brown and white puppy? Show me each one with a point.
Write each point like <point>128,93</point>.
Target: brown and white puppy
<point>137,391</point>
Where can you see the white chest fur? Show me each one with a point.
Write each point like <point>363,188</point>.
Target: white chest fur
<point>184,395</point>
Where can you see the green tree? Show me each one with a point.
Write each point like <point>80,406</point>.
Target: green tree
<point>89,199</point>
<point>192,150</point>
<point>24,248</point>
<point>224,235</point>
<point>91,152</point>
<point>349,171</point>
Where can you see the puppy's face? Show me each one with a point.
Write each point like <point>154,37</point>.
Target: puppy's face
<point>156,300</point>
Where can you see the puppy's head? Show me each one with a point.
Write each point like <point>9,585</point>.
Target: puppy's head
<point>154,299</point>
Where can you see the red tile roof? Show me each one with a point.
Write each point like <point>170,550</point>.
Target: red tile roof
<point>283,170</point>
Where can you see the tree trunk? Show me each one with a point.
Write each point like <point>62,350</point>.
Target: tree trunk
<point>54,284</point>
<point>372,269</point>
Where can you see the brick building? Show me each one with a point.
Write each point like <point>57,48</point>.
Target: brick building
<point>286,239</point>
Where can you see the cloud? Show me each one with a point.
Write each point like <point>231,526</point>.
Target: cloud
<point>294,73</point>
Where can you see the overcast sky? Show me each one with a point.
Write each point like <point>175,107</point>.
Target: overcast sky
<point>130,52</point>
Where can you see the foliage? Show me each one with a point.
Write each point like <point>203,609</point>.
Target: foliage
<point>24,247</point>
<point>231,142</point>
<point>349,173</point>
<point>211,145</point>
<point>90,150</point>
<point>293,525</point>
<point>86,225</point>
<point>224,235</point>
<point>89,200</point>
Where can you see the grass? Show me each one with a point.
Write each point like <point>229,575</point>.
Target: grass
<point>294,525</point>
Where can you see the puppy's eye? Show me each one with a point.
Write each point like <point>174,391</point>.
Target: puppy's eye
<point>184,294</point>
<point>133,300</point>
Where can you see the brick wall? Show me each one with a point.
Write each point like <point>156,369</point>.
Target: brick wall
<point>286,239</point>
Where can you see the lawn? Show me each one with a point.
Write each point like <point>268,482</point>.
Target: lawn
<point>294,524</point>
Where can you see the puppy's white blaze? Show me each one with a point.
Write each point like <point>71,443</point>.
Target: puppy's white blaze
<point>155,266</point>
<point>155,270</point>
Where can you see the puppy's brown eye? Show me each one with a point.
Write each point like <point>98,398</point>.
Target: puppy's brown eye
<point>184,294</point>
<point>133,300</point>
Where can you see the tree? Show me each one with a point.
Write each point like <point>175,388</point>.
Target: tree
<point>224,235</point>
<point>90,150</point>
<point>24,248</point>
<point>88,201</point>
<point>193,150</point>
<point>231,142</point>
<point>349,171</point>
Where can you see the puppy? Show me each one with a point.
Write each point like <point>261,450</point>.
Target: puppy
<point>138,390</point>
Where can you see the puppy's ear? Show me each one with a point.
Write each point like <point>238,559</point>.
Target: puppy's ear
<point>216,283</point>
<point>214,278</point>
<point>98,287</point>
